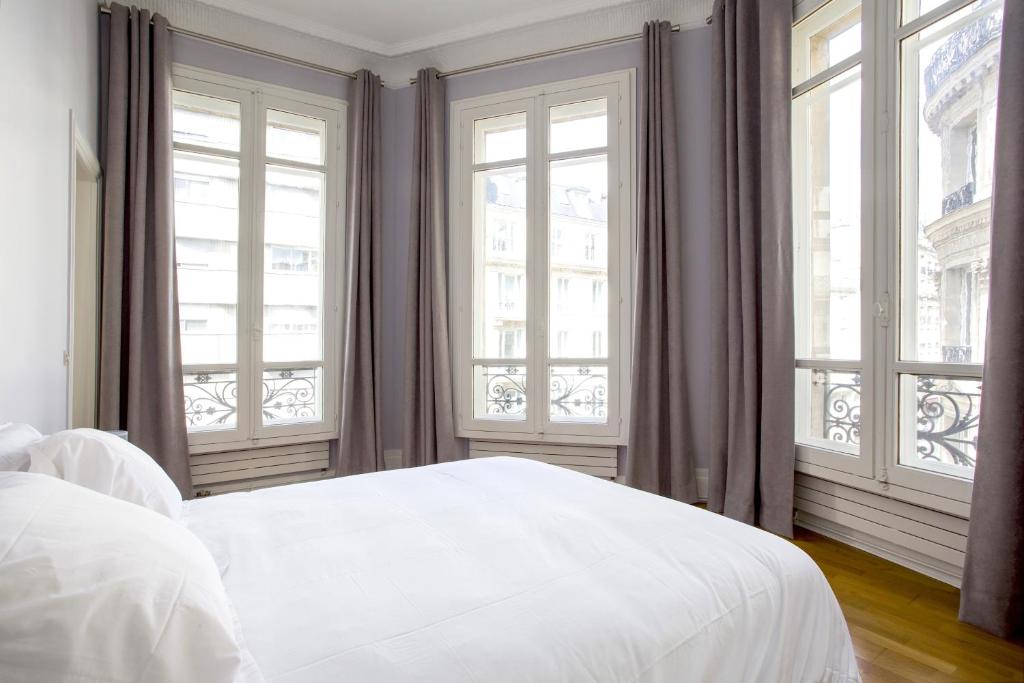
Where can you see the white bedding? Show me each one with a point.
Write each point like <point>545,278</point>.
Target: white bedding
<point>504,569</point>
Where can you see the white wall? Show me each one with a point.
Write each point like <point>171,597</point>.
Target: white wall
<point>48,66</point>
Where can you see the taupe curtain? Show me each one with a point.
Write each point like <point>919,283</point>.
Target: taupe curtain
<point>428,432</point>
<point>992,594</point>
<point>750,475</point>
<point>359,448</point>
<point>658,458</point>
<point>140,383</point>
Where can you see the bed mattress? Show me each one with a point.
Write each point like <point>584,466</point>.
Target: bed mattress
<point>505,569</point>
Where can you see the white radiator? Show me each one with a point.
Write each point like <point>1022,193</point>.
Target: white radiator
<point>600,461</point>
<point>927,541</point>
<point>257,468</point>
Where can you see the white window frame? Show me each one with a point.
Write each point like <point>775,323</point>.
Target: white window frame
<point>878,468</point>
<point>860,465</point>
<point>255,98</point>
<point>618,88</point>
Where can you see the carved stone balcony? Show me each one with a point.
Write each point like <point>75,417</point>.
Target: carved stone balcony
<point>958,49</point>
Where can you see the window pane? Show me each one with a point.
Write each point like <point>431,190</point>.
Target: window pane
<point>499,281</point>
<point>825,38</point>
<point>950,73</point>
<point>294,137</point>
<point>578,254</point>
<point>939,423</point>
<point>499,392</point>
<point>499,138</point>
<point>579,393</point>
<point>580,125</point>
<point>207,121</point>
<point>827,219</point>
<point>292,395</point>
<point>292,274</point>
<point>206,246</point>
<point>211,400</point>
<point>828,409</point>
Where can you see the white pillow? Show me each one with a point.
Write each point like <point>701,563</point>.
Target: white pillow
<point>15,438</point>
<point>108,464</point>
<point>96,589</point>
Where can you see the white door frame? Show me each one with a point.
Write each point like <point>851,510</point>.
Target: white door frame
<point>81,159</point>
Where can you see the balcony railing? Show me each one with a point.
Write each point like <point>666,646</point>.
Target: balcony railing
<point>958,199</point>
<point>289,395</point>
<point>959,48</point>
<point>576,393</point>
<point>946,416</point>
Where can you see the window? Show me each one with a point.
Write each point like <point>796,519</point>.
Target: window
<point>257,222</point>
<point>541,184</point>
<point>891,237</point>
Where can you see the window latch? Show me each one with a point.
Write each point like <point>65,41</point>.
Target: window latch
<point>882,310</point>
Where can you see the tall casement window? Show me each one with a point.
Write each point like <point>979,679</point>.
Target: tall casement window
<point>258,225</point>
<point>542,212</point>
<point>894,106</point>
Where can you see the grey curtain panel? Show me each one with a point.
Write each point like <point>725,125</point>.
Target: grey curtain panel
<point>992,594</point>
<point>140,383</point>
<point>359,448</point>
<point>659,458</point>
<point>428,431</point>
<point>750,473</point>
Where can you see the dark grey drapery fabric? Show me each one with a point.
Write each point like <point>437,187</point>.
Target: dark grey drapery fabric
<point>750,475</point>
<point>658,458</point>
<point>359,448</point>
<point>428,432</point>
<point>140,383</point>
<point>992,594</point>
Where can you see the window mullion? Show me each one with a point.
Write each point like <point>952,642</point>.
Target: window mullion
<point>538,276</point>
<point>828,74</point>
<point>258,182</point>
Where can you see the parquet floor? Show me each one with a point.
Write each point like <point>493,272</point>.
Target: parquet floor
<point>904,625</point>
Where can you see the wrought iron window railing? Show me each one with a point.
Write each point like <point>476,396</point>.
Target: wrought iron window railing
<point>946,417</point>
<point>578,392</point>
<point>288,395</point>
<point>958,199</point>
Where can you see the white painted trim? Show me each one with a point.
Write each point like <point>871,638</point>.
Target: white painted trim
<point>902,556</point>
<point>549,12</point>
<point>79,151</point>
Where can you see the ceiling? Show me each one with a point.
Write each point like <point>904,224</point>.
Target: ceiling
<point>396,27</point>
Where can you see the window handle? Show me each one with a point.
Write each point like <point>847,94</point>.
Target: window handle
<point>882,310</point>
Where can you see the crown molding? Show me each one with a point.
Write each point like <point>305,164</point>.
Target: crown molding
<point>595,25</point>
<point>508,22</point>
<point>468,46</point>
<point>246,30</point>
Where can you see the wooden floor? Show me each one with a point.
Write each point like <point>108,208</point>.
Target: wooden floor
<point>904,625</point>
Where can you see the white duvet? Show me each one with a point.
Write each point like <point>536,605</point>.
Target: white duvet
<point>504,569</point>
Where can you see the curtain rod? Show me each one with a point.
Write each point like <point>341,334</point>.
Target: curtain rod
<point>253,50</point>
<point>541,55</point>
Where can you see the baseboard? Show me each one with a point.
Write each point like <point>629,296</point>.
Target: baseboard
<point>392,458</point>
<point>922,564</point>
<point>702,483</point>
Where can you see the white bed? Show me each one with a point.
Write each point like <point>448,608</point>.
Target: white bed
<point>504,569</point>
